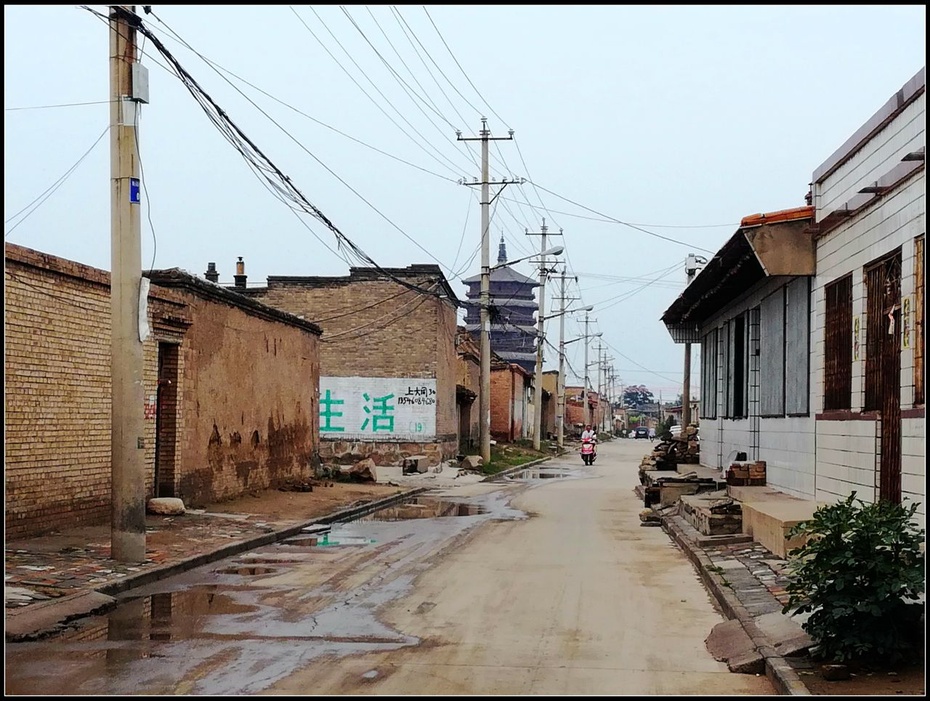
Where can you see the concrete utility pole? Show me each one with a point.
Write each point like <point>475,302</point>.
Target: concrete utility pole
<point>484,396</point>
<point>587,380</point>
<point>692,265</point>
<point>560,406</point>
<point>600,401</point>
<point>540,335</point>
<point>129,87</point>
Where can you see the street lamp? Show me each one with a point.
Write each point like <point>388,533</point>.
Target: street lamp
<point>484,399</point>
<point>554,251</point>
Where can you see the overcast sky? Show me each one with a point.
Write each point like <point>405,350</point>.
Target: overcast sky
<point>644,132</point>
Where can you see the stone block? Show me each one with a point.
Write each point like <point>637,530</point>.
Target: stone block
<point>165,506</point>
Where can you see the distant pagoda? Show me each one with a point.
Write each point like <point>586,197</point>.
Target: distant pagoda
<point>513,306</point>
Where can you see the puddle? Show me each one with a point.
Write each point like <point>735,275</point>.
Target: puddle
<point>167,616</point>
<point>246,571</point>
<point>331,539</point>
<point>423,507</point>
<point>542,474</point>
<point>306,541</point>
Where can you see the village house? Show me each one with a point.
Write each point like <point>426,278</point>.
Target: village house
<point>468,384</point>
<point>575,414</point>
<point>229,386</point>
<point>388,364</point>
<point>511,401</point>
<point>868,295</point>
<point>749,309</point>
<point>550,396</point>
<point>811,325</point>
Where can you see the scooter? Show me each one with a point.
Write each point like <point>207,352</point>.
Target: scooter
<point>588,453</point>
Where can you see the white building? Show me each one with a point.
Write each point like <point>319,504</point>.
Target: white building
<point>749,310</point>
<point>868,296</point>
<point>811,324</point>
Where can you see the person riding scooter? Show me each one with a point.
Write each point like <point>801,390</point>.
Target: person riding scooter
<point>588,445</point>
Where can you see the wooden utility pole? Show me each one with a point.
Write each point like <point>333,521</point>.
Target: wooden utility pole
<point>129,87</point>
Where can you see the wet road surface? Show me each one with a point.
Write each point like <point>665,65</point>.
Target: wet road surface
<point>542,584</point>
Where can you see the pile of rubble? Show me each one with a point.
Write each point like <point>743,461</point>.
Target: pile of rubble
<point>669,454</point>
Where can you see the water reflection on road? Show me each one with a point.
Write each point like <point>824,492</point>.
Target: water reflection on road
<point>239,625</point>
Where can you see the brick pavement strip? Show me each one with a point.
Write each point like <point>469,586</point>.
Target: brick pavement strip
<point>785,679</point>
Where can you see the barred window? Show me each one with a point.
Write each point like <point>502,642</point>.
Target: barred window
<point>797,346</point>
<point>709,375</point>
<point>883,290</point>
<point>919,320</point>
<point>837,377</point>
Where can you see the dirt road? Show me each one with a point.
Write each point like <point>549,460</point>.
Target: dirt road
<point>576,599</point>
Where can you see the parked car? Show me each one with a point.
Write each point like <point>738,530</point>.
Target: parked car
<point>642,432</point>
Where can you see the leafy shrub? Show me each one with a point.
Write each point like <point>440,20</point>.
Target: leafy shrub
<point>859,574</point>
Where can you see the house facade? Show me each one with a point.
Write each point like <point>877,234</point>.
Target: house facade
<point>511,402</point>
<point>388,361</point>
<point>468,384</point>
<point>811,324</point>
<point>229,387</point>
<point>868,337</point>
<point>749,308</point>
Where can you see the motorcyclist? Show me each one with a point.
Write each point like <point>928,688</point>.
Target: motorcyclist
<point>588,434</point>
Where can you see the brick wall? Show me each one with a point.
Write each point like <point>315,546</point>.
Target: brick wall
<point>249,403</point>
<point>502,389</point>
<point>469,377</point>
<point>375,327</point>
<point>57,392</point>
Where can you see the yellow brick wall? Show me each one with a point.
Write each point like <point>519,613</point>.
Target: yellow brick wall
<point>57,393</point>
<point>378,328</point>
<point>244,373</point>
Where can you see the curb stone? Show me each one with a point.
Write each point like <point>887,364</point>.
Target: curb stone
<point>47,618</point>
<point>785,680</point>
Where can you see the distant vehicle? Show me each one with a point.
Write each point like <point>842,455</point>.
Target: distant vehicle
<point>641,432</point>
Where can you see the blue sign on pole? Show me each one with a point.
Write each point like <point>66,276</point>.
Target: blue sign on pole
<point>134,195</point>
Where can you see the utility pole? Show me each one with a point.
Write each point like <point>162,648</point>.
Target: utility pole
<point>587,411</point>
<point>484,397</point>
<point>600,402</point>
<point>540,335</point>
<point>128,87</point>
<point>692,265</point>
<point>560,407</point>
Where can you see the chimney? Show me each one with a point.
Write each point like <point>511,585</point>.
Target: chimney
<point>211,273</point>
<point>240,274</point>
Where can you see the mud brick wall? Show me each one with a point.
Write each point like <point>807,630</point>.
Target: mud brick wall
<point>378,328</point>
<point>249,402</point>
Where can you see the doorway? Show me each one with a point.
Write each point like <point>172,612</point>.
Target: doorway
<point>166,420</point>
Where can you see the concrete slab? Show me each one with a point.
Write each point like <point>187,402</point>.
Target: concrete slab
<point>780,628</point>
<point>728,641</point>
<point>768,521</point>
<point>44,617</point>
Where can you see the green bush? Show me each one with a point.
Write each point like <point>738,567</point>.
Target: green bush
<point>860,575</point>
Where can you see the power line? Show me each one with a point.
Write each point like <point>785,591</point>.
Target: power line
<point>260,163</point>
<point>49,191</point>
<point>452,165</point>
<point>48,107</point>
<point>463,73</point>
<point>618,221</point>
<point>410,92</point>
<point>408,32</point>
<point>353,190</point>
